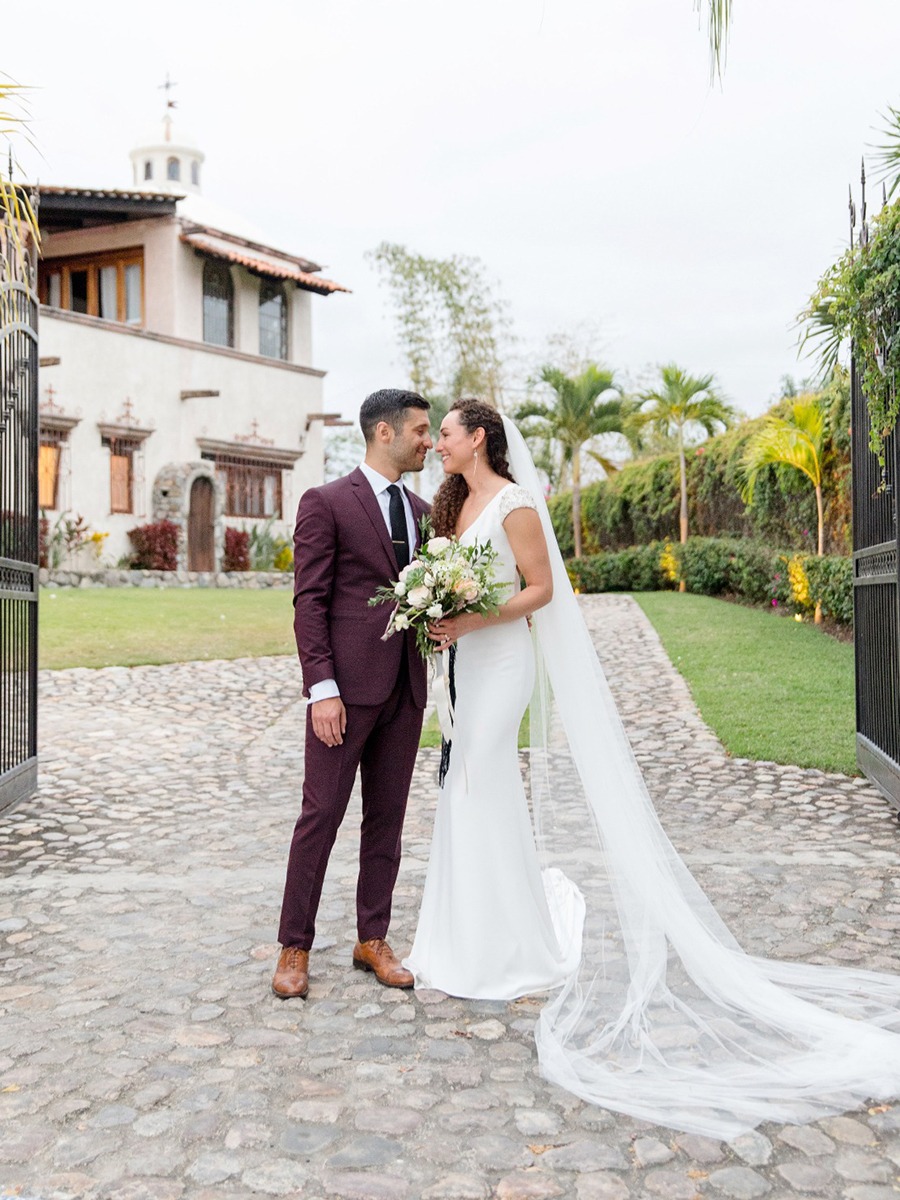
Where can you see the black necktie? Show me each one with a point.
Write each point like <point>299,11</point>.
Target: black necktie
<point>399,534</point>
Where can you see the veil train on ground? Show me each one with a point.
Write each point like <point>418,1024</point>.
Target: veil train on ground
<point>667,1018</point>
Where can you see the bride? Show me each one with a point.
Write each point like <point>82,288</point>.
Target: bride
<point>486,927</point>
<point>657,1011</point>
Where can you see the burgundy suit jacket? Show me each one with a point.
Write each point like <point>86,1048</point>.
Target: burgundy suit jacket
<point>342,554</point>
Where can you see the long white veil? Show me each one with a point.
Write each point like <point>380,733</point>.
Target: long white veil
<point>667,1018</point>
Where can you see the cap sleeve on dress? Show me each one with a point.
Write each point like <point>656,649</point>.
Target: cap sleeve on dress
<point>515,497</point>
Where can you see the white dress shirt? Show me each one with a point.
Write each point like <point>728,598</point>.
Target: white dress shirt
<point>325,689</point>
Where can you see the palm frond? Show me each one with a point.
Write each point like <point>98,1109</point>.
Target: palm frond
<point>609,465</point>
<point>532,408</point>
<point>718,26</point>
<point>16,208</point>
<point>18,219</point>
<point>887,154</point>
<point>809,416</point>
<point>820,339</point>
<point>796,442</point>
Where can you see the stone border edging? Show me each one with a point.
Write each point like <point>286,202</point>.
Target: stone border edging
<point>165,579</point>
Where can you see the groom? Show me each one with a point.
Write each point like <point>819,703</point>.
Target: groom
<point>366,696</point>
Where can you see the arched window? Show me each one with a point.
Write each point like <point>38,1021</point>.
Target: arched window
<point>195,173</point>
<point>173,169</point>
<point>148,168</point>
<point>218,304</point>
<point>272,319</point>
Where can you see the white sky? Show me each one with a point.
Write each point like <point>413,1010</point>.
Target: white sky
<point>575,146</point>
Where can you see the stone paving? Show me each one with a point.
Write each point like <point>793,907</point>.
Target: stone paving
<point>143,1057</point>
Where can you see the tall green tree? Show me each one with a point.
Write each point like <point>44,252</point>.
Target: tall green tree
<point>448,322</point>
<point>679,407</point>
<point>584,407</point>
<point>796,441</point>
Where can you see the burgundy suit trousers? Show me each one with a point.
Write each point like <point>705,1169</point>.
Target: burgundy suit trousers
<point>381,742</point>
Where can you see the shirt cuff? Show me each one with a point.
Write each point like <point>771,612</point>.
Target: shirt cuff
<point>325,689</point>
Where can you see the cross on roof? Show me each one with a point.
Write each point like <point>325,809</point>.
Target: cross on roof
<point>49,405</point>
<point>167,88</point>
<point>127,415</point>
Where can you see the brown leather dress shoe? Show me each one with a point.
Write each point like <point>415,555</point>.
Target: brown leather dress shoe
<point>376,955</point>
<point>291,976</point>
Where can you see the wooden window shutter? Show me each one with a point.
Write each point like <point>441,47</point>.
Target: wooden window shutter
<point>48,474</point>
<point>120,483</point>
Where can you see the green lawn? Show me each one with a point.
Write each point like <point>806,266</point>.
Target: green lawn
<point>105,627</point>
<point>771,688</point>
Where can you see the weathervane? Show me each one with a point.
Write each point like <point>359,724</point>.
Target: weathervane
<point>167,88</point>
<point>170,104</point>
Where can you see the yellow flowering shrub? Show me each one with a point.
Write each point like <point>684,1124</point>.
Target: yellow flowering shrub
<point>668,563</point>
<point>799,582</point>
<point>284,559</point>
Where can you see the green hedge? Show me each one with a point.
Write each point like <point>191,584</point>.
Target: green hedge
<point>749,570</point>
<point>636,569</point>
<point>831,580</point>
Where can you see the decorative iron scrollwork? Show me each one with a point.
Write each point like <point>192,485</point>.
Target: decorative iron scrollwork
<point>884,562</point>
<point>13,580</point>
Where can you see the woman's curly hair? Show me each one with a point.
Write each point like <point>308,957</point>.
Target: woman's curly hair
<point>451,495</point>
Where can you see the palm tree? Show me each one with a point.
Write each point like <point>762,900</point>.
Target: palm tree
<point>677,408</point>
<point>584,406</point>
<point>797,441</point>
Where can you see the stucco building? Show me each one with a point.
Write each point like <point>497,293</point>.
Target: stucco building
<point>176,350</point>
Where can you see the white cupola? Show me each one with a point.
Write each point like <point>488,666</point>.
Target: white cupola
<point>167,159</point>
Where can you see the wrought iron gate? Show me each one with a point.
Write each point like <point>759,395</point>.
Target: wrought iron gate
<point>18,520</point>
<point>876,604</point>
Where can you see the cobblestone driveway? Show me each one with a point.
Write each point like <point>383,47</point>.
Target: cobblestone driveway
<point>143,1057</point>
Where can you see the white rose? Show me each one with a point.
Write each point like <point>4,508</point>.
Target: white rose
<point>400,588</point>
<point>428,579</point>
<point>437,545</point>
<point>435,612</point>
<point>419,596</point>
<point>401,621</point>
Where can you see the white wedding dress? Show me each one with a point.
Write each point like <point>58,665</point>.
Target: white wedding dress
<point>492,926</point>
<point>664,1017</point>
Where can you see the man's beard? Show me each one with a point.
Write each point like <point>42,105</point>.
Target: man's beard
<point>412,463</point>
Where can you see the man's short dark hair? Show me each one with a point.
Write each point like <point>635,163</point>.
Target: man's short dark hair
<point>390,404</point>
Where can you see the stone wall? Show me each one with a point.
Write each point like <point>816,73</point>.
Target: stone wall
<point>163,579</point>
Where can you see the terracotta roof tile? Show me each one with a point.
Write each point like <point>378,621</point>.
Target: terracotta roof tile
<point>260,260</point>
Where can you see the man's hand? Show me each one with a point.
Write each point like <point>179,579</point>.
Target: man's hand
<point>329,720</point>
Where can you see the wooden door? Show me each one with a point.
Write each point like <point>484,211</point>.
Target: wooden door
<point>201,533</point>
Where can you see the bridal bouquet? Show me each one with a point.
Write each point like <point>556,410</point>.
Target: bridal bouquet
<point>443,580</point>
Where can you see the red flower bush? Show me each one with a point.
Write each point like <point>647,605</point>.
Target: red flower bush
<point>237,550</point>
<point>155,546</point>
